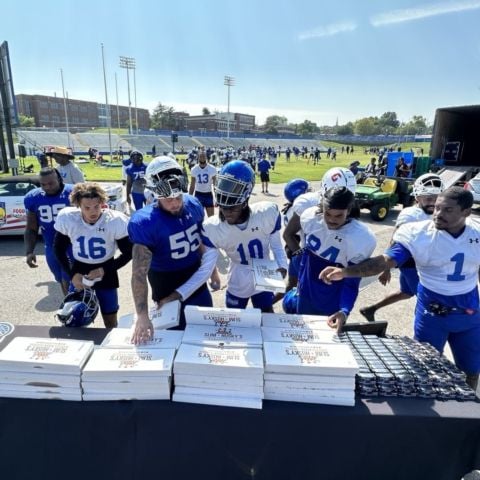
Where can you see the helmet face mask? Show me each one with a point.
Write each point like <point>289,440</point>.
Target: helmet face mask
<point>338,177</point>
<point>234,184</point>
<point>165,178</point>
<point>427,185</point>
<point>78,309</point>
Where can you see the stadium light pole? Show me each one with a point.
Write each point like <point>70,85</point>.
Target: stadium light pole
<point>107,106</point>
<point>135,97</point>
<point>229,82</point>
<point>129,64</point>
<point>118,108</point>
<point>65,107</point>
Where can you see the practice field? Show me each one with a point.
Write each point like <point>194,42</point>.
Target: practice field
<point>284,171</point>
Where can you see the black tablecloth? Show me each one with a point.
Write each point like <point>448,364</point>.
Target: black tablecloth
<point>384,438</point>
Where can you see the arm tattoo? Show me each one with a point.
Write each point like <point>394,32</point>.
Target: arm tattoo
<point>141,258</point>
<point>369,267</point>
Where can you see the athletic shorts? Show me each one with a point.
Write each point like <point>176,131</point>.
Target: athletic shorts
<point>205,198</point>
<point>262,300</point>
<point>138,200</point>
<point>460,330</point>
<point>54,266</point>
<point>264,177</point>
<point>409,281</point>
<point>294,266</point>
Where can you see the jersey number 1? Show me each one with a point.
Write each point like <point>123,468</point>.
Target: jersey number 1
<point>457,276</point>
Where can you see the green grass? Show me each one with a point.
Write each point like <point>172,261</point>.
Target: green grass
<point>284,171</point>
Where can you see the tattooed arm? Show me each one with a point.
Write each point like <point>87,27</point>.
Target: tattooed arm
<point>141,258</point>
<point>367,268</point>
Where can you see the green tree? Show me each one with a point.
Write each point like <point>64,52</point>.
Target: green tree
<point>26,121</point>
<point>307,128</point>
<point>366,126</point>
<point>273,122</point>
<point>162,117</point>
<point>346,129</point>
<point>389,121</point>
<point>205,111</point>
<point>416,126</point>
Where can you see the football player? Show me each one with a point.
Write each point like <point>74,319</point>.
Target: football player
<point>244,232</point>
<point>332,237</point>
<point>42,205</point>
<point>93,233</point>
<point>447,255</point>
<point>425,190</point>
<point>167,247</point>
<point>135,174</point>
<point>203,177</point>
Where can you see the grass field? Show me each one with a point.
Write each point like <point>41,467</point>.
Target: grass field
<point>284,171</point>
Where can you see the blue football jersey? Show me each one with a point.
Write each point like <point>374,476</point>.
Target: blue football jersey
<point>173,240</point>
<point>46,208</point>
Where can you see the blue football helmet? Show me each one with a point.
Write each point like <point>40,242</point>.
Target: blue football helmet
<point>290,301</point>
<point>294,188</point>
<point>78,308</point>
<point>234,183</point>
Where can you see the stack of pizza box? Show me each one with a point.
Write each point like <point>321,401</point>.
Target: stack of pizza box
<point>119,370</point>
<point>46,368</point>
<point>305,362</point>
<point>220,360</point>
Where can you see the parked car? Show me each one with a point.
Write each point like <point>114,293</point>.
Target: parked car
<point>474,186</point>
<point>13,216</point>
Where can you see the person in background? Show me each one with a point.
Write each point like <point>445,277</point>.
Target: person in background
<point>263,167</point>
<point>202,179</point>
<point>136,180</point>
<point>69,172</point>
<point>42,206</point>
<point>93,233</point>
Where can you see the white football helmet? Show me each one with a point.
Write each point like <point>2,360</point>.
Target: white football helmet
<point>428,184</point>
<point>338,177</point>
<point>165,177</point>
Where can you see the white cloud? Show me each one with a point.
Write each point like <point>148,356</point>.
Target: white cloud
<point>328,30</point>
<point>431,10</point>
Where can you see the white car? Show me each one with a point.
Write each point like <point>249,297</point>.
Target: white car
<point>13,217</point>
<point>474,186</point>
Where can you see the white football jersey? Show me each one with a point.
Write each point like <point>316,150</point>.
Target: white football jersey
<point>306,200</point>
<point>241,245</point>
<point>203,177</point>
<point>92,243</point>
<point>352,243</point>
<point>412,214</point>
<point>445,264</point>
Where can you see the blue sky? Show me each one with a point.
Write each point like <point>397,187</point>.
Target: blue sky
<point>303,59</point>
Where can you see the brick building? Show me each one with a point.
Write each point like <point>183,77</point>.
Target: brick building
<point>50,112</point>
<point>218,122</point>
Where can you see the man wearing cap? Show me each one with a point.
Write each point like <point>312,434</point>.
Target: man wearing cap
<point>69,172</point>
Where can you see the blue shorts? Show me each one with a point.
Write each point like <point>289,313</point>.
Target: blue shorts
<point>408,281</point>
<point>460,330</point>
<point>54,266</point>
<point>201,298</point>
<point>294,266</point>
<point>107,299</point>
<point>262,300</point>
<point>205,198</point>
<point>138,200</point>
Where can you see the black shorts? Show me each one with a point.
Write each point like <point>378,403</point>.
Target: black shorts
<point>264,176</point>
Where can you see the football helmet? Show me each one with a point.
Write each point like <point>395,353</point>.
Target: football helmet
<point>338,177</point>
<point>78,308</point>
<point>136,153</point>
<point>234,183</point>
<point>165,177</point>
<point>290,301</point>
<point>428,184</point>
<point>294,188</point>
